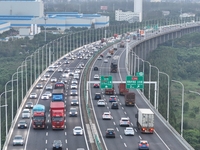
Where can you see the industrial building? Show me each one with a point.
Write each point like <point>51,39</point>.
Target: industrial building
<point>130,16</point>
<point>23,14</point>
<point>4,26</point>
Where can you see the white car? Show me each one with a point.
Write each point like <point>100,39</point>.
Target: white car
<point>44,96</point>
<point>26,113</point>
<point>77,130</point>
<point>33,95</point>
<point>65,75</point>
<point>39,86</point>
<point>105,61</point>
<point>60,69</point>
<point>77,71</point>
<point>43,79</point>
<point>29,105</point>
<point>107,116</point>
<point>74,81</point>
<point>99,58</point>
<point>74,86</point>
<point>18,140</point>
<point>48,93</point>
<point>49,87</point>
<point>129,131</point>
<point>53,79</point>
<point>46,75</point>
<point>124,121</point>
<point>101,102</point>
<point>51,69</point>
<point>76,76</point>
<point>96,77</point>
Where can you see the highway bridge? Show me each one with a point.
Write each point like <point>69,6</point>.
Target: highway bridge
<point>164,137</point>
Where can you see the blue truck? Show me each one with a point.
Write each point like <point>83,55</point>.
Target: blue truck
<point>38,116</point>
<point>58,95</point>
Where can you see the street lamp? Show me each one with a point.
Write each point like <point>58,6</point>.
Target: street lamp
<point>149,94</point>
<point>45,20</point>
<point>182,105</point>
<point>157,87</point>
<point>167,94</point>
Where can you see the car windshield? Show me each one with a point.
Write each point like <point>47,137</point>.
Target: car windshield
<point>77,128</point>
<point>57,118</point>
<point>38,118</point>
<point>74,100</point>
<point>25,111</point>
<point>18,137</point>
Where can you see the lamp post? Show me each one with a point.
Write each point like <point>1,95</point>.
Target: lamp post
<point>0,115</point>
<point>149,94</point>
<point>157,87</point>
<point>45,20</point>
<point>182,105</point>
<point>27,71</point>
<point>167,94</point>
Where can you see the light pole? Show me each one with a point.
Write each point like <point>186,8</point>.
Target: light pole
<point>167,94</point>
<point>0,115</point>
<point>157,87</point>
<point>27,71</point>
<point>45,20</point>
<point>182,104</point>
<point>149,94</point>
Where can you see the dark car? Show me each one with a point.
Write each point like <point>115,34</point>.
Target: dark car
<point>73,112</point>
<point>96,85</point>
<point>97,96</point>
<point>114,105</point>
<point>67,70</point>
<point>29,105</point>
<point>57,144</point>
<point>143,144</point>
<point>73,93</point>
<point>110,132</point>
<point>22,124</point>
<point>64,80</point>
<point>112,98</point>
<point>96,68</point>
<point>74,102</point>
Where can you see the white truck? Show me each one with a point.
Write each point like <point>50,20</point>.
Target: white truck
<point>115,46</point>
<point>145,120</point>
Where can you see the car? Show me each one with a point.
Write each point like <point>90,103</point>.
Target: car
<point>55,66</point>
<point>57,145</point>
<point>71,73</point>
<point>39,86</point>
<point>73,93</point>
<point>67,62</point>
<point>77,71</point>
<point>49,87</point>
<point>47,75</point>
<point>80,149</point>
<point>59,63</point>
<point>143,144</point>
<point>74,102</point>
<point>65,75</point>
<point>76,76</point>
<point>101,102</point>
<point>60,69</point>
<point>22,124</point>
<point>77,130</point>
<point>110,132</point>
<point>99,58</point>
<point>73,112</point>
<point>45,97</point>
<point>124,121</point>
<point>18,140</point>
<point>64,80</point>
<point>107,116</point>
<point>67,70</point>
<point>105,60</point>
<point>112,98</point>
<point>96,68</point>
<point>51,69</point>
<point>71,58</point>
<point>33,95</point>
<point>85,58</point>
<point>129,131</point>
<point>29,105</point>
<point>114,105</point>
<point>97,96</point>
<point>53,79</point>
<point>74,86</point>
<point>96,85</point>
<point>96,77</point>
<point>74,81</point>
<point>108,55</point>
<point>48,93</point>
<point>43,79</point>
<point>26,113</point>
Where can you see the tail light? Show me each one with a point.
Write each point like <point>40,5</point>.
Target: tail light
<point>143,129</point>
<point>140,144</point>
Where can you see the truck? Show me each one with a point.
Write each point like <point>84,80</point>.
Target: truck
<point>59,85</point>
<point>129,99</point>
<point>38,116</point>
<point>103,40</point>
<point>113,67</point>
<point>115,46</point>
<point>57,114</point>
<point>122,89</point>
<point>58,95</point>
<point>115,36</point>
<point>109,91</point>
<point>145,120</point>
<point>111,51</point>
<point>122,44</point>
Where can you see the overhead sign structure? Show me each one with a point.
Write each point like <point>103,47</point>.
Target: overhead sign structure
<point>106,82</point>
<point>135,82</point>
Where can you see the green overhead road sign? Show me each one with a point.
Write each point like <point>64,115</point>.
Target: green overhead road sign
<point>135,82</point>
<point>106,82</point>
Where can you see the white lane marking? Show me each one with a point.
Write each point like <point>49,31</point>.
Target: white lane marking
<point>125,145</point>
<point>117,129</point>
<point>162,140</point>
<point>46,133</point>
<point>120,103</point>
<point>46,141</point>
<point>114,123</point>
<point>65,133</point>
<point>47,127</point>
<point>121,137</point>
<point>131,124</point>
<point>45,148</point>
<point>124,112</point>
<point>47,120</point>
<point>65,126</point>
<point>107,107</point>
<point>140,137</point>
<point>66,141</point>
<point>122,107</point>
<point>135,130</point>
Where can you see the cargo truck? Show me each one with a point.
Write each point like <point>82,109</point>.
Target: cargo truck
<point>113,67</point>
<point>122,89</point>
<point>129,99</point>
<point>122,44</point>
<point>145,120</point>
<point>58,95</point>
<point>109,91</point>
<point>59,85</point>
<point>38,116</point>
<point>57,114</point>
<point>111,51</point>
<point>115,46</point>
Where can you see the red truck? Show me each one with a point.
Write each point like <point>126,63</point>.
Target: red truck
<point>109,91</point>
<point>129,99</point>
<point>57,112</point>
<point>122,89</point>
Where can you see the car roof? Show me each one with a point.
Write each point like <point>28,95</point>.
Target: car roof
<point>143,141</point>
<point>106,113</point>
<point>18,135</point>
<point>97,93</point>
<point>124,118</point>
<point>110,129</point>
<point>25,109</point>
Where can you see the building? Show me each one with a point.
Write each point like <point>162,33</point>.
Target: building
<point>4,26</point>
<point>19,15</point>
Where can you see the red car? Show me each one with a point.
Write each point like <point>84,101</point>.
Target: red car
<point>96,85</point>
